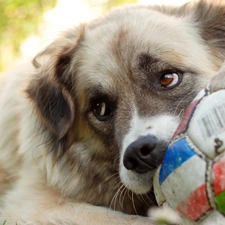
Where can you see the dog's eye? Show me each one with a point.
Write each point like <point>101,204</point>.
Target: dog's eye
<point>102,111</point>
<point>170,80</point>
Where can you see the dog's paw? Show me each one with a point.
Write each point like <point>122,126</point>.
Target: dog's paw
<point>164,216</point>
<point>218,81</point>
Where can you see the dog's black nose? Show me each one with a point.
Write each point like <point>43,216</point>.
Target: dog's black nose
<point>138,155</point>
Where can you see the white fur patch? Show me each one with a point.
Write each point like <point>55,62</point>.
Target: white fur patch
<point>163,127</point>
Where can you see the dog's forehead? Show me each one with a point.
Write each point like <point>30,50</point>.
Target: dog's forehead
<point>131,39</point>
<point>120,39</point>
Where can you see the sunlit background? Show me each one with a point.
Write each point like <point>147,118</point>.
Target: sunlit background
<point>28,25</point>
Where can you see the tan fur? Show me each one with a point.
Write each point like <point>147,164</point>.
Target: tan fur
<point>59,164</point>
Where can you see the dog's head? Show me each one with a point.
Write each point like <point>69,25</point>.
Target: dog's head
<point>111,93</point>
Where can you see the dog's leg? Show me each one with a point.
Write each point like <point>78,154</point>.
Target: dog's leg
<point>73,214</point>
<point>33,202</point>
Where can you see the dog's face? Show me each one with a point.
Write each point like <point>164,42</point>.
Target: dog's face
<point>112,92</point>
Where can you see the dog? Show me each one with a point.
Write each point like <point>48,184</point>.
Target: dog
<point>84,129</point>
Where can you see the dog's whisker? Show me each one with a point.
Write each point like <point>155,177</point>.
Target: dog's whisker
<point>117,179</point>
<point>128,194</point>
<point>133,203</point>
<point>117,199</point>
<point>125,193</point>
<point>116,160</point>
<point>114,199</point>
<point>107,179</point>
<point>143,198</point>
<point>121,197</point>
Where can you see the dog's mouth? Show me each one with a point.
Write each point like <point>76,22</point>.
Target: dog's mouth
<point>149,201</point>
<point>136,182</point>
<point>139,163</point>
<point>141,184</point>
<point>143,151</point>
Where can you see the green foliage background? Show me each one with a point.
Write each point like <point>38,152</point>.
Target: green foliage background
<point>21,18</point>
<point>18,20</point>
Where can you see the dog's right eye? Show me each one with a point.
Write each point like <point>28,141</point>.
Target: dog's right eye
<point>102,111</point>
<point>170,79</point>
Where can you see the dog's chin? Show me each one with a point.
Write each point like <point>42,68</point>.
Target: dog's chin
<point>137,183</point>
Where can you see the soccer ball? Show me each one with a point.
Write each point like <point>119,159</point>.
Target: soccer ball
<point>191,178</point>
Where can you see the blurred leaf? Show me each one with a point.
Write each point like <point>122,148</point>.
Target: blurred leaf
<point>18,20</point>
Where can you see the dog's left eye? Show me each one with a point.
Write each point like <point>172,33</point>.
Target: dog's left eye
<point>170,80</point>
<point>102,111</point>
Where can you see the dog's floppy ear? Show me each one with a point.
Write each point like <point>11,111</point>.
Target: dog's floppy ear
<point>209,16</point>
<point>206,15</point>
<point>50,87</point>
<point>54,105</point>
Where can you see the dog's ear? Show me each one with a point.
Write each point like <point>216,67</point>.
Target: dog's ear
<point>209,16</point>
<point>54,105</point>
<point>50,88</point>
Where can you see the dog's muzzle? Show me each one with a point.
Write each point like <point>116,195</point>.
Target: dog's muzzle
<point>140,156</point>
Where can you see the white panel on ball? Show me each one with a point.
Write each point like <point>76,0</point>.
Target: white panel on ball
<point>207,125</point>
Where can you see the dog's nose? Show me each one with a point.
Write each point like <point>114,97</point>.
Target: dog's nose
<point>138,155</point>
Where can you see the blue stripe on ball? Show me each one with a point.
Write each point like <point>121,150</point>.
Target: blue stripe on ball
<point>176,154</point>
